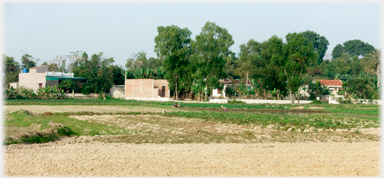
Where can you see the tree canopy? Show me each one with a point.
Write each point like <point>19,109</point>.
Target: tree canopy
<point>173,44</point>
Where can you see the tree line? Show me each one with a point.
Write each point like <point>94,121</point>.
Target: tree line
<point>193,67</point>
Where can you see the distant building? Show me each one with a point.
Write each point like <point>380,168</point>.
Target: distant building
<point>221,92</point>
<point>39,77</point>
<point>333,85</point>
<point>146,89</point>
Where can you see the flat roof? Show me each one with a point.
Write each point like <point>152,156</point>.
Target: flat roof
<point>64,78</point>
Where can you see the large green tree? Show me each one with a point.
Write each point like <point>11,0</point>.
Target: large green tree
<point>353,47</point>
<point>173,44</point>
<point>337,51</point>
<point>11,70</point>
<point>100,74</point>
<point>320,43</point>
<point>28,61</point>
<point>297,54</point>
<point>211,49</point>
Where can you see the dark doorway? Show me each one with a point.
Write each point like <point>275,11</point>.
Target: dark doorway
<point>162,91</point>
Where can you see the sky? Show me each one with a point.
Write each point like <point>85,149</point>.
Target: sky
<point>47,30</point>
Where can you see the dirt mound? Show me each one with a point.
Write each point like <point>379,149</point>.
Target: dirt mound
<point>52,133</point>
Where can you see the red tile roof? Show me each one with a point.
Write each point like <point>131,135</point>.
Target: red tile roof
<point>36,67</point>
<point>331,82</point>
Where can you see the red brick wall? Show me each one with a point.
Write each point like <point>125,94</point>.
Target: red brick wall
<point>146,88</point>
<point>136,88</point>
<point>155,93</point>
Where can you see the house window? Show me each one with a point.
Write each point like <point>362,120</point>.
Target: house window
<point>218,91</point>
<point>40,85</point>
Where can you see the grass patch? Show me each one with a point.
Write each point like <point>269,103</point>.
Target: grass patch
<point>355,109</point>
<point>279,121</point>
<point>190,127</point>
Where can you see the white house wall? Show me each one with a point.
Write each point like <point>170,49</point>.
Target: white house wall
<point>32,80</point>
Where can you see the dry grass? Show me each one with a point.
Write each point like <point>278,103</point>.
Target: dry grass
<point>159,129</point>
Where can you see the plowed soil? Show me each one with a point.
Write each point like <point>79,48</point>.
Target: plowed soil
<point>88,156</point>
<point>121,159</point>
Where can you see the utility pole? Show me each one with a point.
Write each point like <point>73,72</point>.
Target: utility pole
<point>246,82</point>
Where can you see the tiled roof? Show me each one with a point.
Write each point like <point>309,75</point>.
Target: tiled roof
<point>331,82</point>
<point>36,67</point>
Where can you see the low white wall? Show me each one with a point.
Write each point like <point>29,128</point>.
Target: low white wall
<point>14,85</point>
<point>82,96</point>
<point>254,101</point>
<point>148,99</point>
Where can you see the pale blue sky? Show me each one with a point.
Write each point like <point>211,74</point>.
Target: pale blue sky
<point>46,30</point>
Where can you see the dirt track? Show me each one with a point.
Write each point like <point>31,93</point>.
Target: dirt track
<point>266,159</point>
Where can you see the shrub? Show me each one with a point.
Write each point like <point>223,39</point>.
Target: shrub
<point>67,85</point>
<point>316,102</point>
<point>43,93</point>
<point>236,102</point>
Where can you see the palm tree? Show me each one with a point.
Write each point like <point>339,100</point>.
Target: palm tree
<point>373,61</point>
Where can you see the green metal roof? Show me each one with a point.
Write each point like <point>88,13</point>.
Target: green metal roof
<point>64,78</point>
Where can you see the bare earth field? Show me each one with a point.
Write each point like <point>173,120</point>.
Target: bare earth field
<point>252,151</point>
<point>265,159</point>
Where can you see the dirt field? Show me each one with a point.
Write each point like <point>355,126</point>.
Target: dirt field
<point>303,154</point>
<point>120,159</point>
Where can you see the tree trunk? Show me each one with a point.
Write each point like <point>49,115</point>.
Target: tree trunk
<point>177,96</point>
<point>291,94</point>
<point>378,75</point>
<point>103,95</point>
<point>298,99</point>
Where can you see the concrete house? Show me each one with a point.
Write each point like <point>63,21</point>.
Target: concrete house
<point>39,77</point>
<point>147,89</point>
<point>333,85</point>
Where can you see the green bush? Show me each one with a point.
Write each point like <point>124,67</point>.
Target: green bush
<point>316,102</point>
<point>43,93</point>
<point>236,102</point>
<point>67,85</point>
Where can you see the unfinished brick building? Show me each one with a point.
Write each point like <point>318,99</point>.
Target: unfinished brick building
<point>146,89</point>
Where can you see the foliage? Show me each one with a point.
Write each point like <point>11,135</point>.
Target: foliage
<point>194,67</point>
<point>28,61</point>
<point>210,50</point>
<point>173,44</point>
<point>11,70</point>
<point>280,122</point>
<point>100,74</point>
<point>320,43</point>
<point>67,85</point>
<point>316,102</point>
<point>360,88</point>
<point>43,93</point>
<point>316,89</point>
<point>234,101</point>
<point>296,55</point>
<point>353,47</point>
<point>337,51</point>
